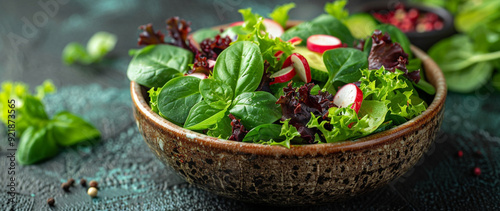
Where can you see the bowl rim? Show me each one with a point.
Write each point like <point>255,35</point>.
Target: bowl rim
<point>435,77</point>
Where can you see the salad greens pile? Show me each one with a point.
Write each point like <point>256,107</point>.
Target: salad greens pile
<point>219,83</point>
<point>471,58</point>
<point>40,136</point>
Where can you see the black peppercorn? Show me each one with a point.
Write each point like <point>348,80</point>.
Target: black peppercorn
<point>51,201</point>
<point>71,181</point>
<point>83,182</point>
<point>65,186</point>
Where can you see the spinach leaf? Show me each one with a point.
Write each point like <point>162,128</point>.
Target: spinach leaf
<point>36,144</point>
<point>69,129</point>
<point>323,24</point>
<point>343,65</point>
<point>216,93</point>
<point>265,132</point>
<point>240,66</point>
<point>202,116</point>
<point>469,78</point>
<point>222,129</point>
<point>256,108</point>
<point>280,13</point>
<point>177,97</point>
<point>154,65</point>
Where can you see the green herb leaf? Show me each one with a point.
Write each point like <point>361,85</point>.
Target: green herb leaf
<point>280,13</point>
<point>177,97</point>
<point>343,65</point>
<point>68,129</point>
<point>75,52</point>
<point>36,144</point>
<point>222,128</point>
<point>256,108</point>
<point>240,66</point>
<point>100,44</point>
<point>263,133</point>
<point>202,116</point>
<point>154,65</point>
<point>323,24</point>
<point>153,98</point>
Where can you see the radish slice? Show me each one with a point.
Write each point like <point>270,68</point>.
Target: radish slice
<point>284,75</point>
<point>239,23</point>
<point>300,65</point>
<point>198,75</point>
<point>278,55</point>
<point>321,43</point>
<point>295,41</point>
<point>272,27</point>
<point>347,95</point>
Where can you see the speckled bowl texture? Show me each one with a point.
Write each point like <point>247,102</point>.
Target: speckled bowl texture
<point>310,174</point>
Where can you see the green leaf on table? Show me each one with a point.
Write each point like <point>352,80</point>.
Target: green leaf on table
<point>323,24</point>
<point>154,65</point>
<point>177,97</point>
<point>202,116</point>
<point>100,44</point>
<point>256,108</point>
<point>240,66</point>
<point>343,65</point>
<point>280,13</point>
<point>69,129</point>
<point>36,144</point>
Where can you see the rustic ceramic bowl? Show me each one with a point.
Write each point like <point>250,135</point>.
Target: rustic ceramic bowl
<point>310,174</point>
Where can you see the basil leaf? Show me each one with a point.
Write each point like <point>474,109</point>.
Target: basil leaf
<point>36,144</point>
<point>256,108</point>
<point>216,93</point>
<point>323,24</point>
<point>265,132</point>
<point>202,116</point>
<point>343,65</point>
<point>177,97</point>
<point>154,65</point>
<point>32,112</point>
<point>240,66</point>
<point>68,129</point>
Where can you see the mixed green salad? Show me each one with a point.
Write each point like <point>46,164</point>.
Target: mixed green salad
<point>258,81</point>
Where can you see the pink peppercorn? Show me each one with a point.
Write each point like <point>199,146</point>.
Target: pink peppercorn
<point>460,153</point>
<point>477,171</point>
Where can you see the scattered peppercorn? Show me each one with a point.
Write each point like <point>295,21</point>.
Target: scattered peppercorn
<point>51,201</point>
<point>92,192</point>
<point>83,182</point>
<point>477,171</point>
<point>460,153</point>
<point>71,181</point>
<point>93,183</point>
<point>65,186</point>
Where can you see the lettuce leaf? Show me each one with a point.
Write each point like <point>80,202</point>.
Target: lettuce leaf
<point>280,13</point>
<point>383,85</point>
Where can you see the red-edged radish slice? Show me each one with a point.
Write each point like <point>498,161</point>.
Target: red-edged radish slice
<point>284,75</point>
<point>273,28</point>
<point>347,95</point>
<point>198,75</point>
<point>239,23</point>
<point>300,65</point>
<point>295,40</point>
<point>322,42</point>
<point>278,54</point>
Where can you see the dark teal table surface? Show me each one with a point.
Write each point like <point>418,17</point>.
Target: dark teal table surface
<point>131,178</point>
